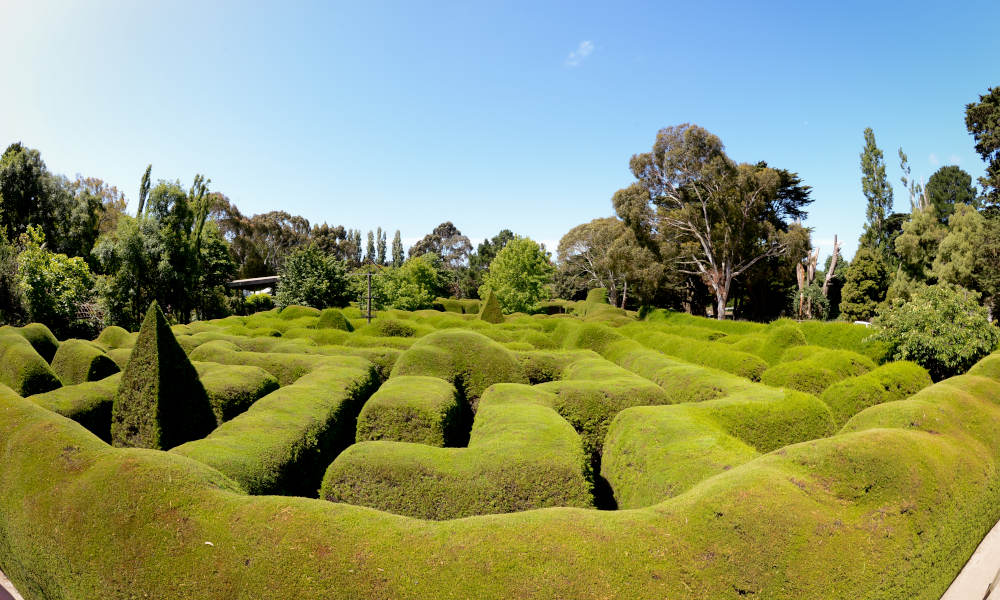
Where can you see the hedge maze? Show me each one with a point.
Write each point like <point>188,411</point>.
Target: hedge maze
<point>461,453</point>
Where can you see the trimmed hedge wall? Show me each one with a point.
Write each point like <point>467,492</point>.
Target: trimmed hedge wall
<point>899,501</point>
<point>113,337</point>
<point>285,440</point>
<point>88,403</point>
<point>521,455</point>
<point>22,369</point>
<point>332,318</point>
<point>890,382</point>
<point>469,360</point>
<point>232,389</point>
<point>39,336</point>
<point>78,361</point>
<point>708,354</point>
<point>422,410</point>
<point>818,370</point>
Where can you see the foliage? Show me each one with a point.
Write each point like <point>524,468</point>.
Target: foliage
<point>723,216</point>
<point>606,253</point>
<point>865,284</point>
<point>948,187</point>
<point>397,250</point>
<point>916,248</point>
<point>22,368</point>
<point>942,328</point>
<point>310,278</point>
<point>77,361</point>
<point>982,119</point>
<point>490,312</point>
<point>520,276</point>
<point>414,285</point>
<point>812,295</point>
<point>255,303</point>
<point>878,192</point>
<point>11,297</point>
<point>160,401</point>
<point>54,286</point>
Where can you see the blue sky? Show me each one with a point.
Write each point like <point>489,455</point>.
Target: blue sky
<point>491,115</point>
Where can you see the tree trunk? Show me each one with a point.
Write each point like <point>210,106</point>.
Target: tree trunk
<point>624,294</point>
<point>833,267</point>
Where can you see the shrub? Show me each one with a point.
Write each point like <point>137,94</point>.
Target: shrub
<point>232,389</point>
<point>657,452</point>
<point>54,285</point>
<point>292,311</point>
<point>285,440</point>
<point>88,403</point>
<point>255,303</point>
<point>709,354</point>
<point>21,368</point>
<point>942,328</point>
<point>817,371</point>
<point>491,312</point>
<point>114,336</point>
<point>469,360</point>
<point>311,278</point>
<point>894,381</point>
<point>386,327</point>
<point>39,336</point>
<point>424,410</point>
<point>78,361</point>
<point>521,455</point>
<point>331,318</point>
<point>160,402</point>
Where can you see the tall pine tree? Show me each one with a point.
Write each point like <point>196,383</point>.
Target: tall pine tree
<point>877,190</point>
<point>397,250</point>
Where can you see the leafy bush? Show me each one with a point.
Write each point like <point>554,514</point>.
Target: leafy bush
<point>311,278</point>
<point>942,328</point>
<point>55,286</point>
<point>867,280</point>
<point>331,318</point>
<point>255,303</point>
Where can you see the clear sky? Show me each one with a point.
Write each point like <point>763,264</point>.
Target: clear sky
<point>504,114</point>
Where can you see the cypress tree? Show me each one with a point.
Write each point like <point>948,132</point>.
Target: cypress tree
<point>160,401</point>
<point>879,194</point>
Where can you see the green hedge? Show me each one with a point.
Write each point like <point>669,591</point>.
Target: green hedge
<point>818,371</point>
<point>708,354</point>
<point>845,336</point>
<point>332,318</point>
<point>728,327</point>
<point>469,360</point>
<point>89,403</point>
<point>424,410</point>
<point>297,312</point>
<point>490,311</point>
<point>890,508</point>
<point>893,381</point>
<point>232,389</point>
<point>657,452</point>
<point>160,401</point>
<point>39,336</point>
<point>113,337</point>
<point>285,440</point>
<point>78,361</point>
<point>521,455</point>
<point>22,369</point>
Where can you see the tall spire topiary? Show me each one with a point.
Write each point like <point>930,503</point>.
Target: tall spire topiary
<point>490,312</point>
<point>160,401</point>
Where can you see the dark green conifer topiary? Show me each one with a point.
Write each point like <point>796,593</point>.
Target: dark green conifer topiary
<point>490,311</point>
<point>160,402</point>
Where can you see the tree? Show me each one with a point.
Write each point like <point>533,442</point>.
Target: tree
<point>918,195</point>
<point>415,284</point>
<point>472,277</point>
<point>24,193</point>
<point>916,247</point>
<point>54,286</point>
<point>519,276</point>
<point>370,249</point>
<point>605,253</point>
<point>982,119</point>
<point>723,216</point>
<point>380,244</point>
<point>950,186</point>
<point>144,190</point>
<point>942,328</point>
<point>878,192</point>
<point>397,250</point>
<point>311,278</point>
<point>448,243</point>
<point>11,297</point>
<point>259,244</point>
<point>865,284</point>
<point>130,257</point>
<point>969,255</point>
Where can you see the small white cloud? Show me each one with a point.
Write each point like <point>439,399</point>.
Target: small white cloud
<point>955,159</point>
<point>933,159</point>
<point>582,51</point>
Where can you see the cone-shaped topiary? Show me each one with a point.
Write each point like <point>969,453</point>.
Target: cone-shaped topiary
<point>490,312</point>
<point>160,402</point>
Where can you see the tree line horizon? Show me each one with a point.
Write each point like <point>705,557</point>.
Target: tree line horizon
<point>696,231</point>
